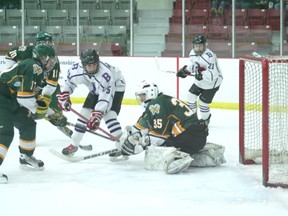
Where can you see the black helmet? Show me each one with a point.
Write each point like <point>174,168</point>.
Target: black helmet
<point>89,56</point>
<point>44,38</point>
<point>199,40</point>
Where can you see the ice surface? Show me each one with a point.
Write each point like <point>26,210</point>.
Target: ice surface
<point>100,187</point>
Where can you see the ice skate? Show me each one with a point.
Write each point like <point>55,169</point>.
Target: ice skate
<point>30,162</point>
<point>70,150</point>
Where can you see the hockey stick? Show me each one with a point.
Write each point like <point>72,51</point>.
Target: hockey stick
<point>87,130</point>
<point>166,71</point>
<point>98,128</point>
<point>81,158</point>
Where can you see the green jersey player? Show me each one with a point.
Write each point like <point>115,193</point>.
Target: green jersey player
<point>20,106</point>
<point>166,122</point>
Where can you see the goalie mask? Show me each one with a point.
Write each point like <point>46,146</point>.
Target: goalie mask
<point>146,92</point>
<point>90,61</point>
<point>199,44</point>
<point>44,55</point>
<point>44,38</point>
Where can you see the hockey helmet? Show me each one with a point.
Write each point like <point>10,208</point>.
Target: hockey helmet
<point>146,92</point>
<point>44,38</point>
<point>44,55</point>
<point>90,57</point>
<point>199,40</point>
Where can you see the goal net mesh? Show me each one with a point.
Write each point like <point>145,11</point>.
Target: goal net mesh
<point>264,116</point>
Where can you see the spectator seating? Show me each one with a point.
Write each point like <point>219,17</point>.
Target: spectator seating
<point>67,4</point>
<point>9,34</point>
<point>245,48</point>
<point>57,17</point>
<point>2,17</point>
<point>261,34</point>
<point>218,32</point>
<point>221,48</point>
<point>107,4</point>
<point>240,17</point>
<point>54,31</point>
<point>93,33</point>
<point>273,19</point>
<point>14,17</point>
<point>70,34</point>
<point>84,17</point>
<point>202,4</point>
<point>177,16</point>
<point>30,33</point>
<point>49,4</point>
<point>188,4</point>
<point>198,17</point>
<point>37,17</point>
<point>6,46</point>
<point>88,4</point>
<point>32,4</point>
<point>256,16</point>
<point>120,17</point>
<point>100,17</point>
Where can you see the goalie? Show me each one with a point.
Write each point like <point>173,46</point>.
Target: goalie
<point>170,132</point>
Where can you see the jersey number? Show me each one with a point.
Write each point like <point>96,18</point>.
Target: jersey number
<point>176,102</point>
<point>157,123</point>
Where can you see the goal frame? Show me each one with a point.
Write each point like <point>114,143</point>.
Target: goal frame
<point>264,62</point>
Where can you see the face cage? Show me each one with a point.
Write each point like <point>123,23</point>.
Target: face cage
<point>90,73</point>
<point>45,42</point>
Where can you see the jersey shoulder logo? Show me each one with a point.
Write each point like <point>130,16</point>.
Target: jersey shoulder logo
<point>154,109</point>
<point>37,69</point>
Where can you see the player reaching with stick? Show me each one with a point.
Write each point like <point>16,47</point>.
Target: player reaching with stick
<point>208,77</point>
<point>106,86</point>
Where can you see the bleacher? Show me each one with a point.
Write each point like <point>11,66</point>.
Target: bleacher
<point>109,19</point>
<point>105,24</point>
<point>254,28</point>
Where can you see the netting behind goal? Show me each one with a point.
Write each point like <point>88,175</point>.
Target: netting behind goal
<point>263,118</point>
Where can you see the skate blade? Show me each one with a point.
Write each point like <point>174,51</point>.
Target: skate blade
<point>119,158</point>
<point>29,167</point>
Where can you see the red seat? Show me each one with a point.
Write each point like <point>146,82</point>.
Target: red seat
<point>256,17</point>
<point>177,16</point>
<point>222,49</point>
<point>245,48</point>
<point>105,49</point>
<point>6,46</point>
<point>67,49</point>
<point>116,49</point>
<point>261,34</point>
<point>218,32</point>
<point>273,19</point>
<point>240,17</point>
<point>198,17</point>
<point>202,4</point>
<point>242,33</point>
<point>188,4</point>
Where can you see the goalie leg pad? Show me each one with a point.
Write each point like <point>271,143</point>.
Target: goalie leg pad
<point>167,159</point>
<point>211,155</point>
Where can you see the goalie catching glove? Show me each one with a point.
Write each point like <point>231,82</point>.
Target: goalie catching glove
<point>135,143</point>
<point>183,72</point>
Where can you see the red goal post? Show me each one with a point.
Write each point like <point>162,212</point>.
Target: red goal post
<point>263,116</point>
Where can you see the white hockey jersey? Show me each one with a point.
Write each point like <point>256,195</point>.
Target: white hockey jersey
<point>104,83</point>
<point>212,75</point>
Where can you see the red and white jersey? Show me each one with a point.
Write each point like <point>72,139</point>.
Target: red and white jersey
<point>208,62</point>
<point>104,83</point>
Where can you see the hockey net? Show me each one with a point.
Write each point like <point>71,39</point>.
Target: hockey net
<point>263,116</point>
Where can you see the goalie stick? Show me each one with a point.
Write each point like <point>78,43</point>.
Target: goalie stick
<point>81,158</point>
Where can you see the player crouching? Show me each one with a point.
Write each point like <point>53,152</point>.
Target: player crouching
<point>171,134</point>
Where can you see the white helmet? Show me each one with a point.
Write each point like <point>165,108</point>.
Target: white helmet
<point>146,92</point>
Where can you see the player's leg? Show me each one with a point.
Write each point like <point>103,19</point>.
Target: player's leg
<point>27,140</point>
<point>205,99</point>
<point>6,137</point>
<point>78,133</point>
<point>192,97</point>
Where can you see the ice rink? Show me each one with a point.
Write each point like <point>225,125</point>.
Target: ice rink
<point>100,187</point>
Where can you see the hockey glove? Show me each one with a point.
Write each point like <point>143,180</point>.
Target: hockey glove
<point>57,119</point>
<point>41,110</point>
<point>64,101</point>
<point>135,143</point>
<point>198,75</point>
<point>94,120</point>
<point>46,98</point>
<point>183,72</point>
